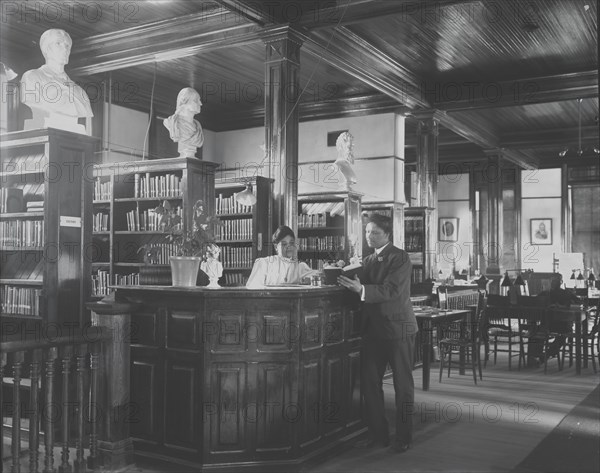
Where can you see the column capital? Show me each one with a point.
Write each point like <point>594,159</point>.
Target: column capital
<point>432,114</point>
<point>283,32</point>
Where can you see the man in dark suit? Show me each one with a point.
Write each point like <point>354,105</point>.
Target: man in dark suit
<point>389,331</point>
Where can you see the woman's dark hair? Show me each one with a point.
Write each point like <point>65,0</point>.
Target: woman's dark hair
<point>382,221</point>
<point>281,232</point>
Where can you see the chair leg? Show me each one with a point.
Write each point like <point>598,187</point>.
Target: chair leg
<point>473,364</point>
<point>509,352</point>
<point>449,359</point>
<point>495,349</point>
<point>591,346</point>
<point>546,355</point>
<point>442,356</point>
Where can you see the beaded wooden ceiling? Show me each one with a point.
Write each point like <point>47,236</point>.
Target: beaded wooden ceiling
<point>502,73</point>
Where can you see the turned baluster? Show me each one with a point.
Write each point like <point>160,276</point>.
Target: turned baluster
<point>50,411</point>
<point>81,366</point>
<point>93,414</point>
<point>34,409</point>
<point>66,371</point>
<point>2,365</point>
<point>16,420</point>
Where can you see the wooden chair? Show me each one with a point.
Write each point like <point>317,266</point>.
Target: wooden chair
<point>502,329</point>
<point>530,320</point>
<point>469,339</point>
<point>593,339</point>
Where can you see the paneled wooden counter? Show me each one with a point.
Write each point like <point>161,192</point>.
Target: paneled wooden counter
<point>236,377</point>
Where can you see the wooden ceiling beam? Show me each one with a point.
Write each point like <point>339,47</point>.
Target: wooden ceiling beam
<point>351,54</point>
<point>161,41</point>
<point>250,11</point>
<point>472,95</point>
<point>326,15</point>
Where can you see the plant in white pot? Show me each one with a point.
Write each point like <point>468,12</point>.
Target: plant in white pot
<point>192,245</point>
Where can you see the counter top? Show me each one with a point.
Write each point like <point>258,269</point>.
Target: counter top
<point>270,291</point>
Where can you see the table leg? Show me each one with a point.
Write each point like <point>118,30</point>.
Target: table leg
<point>584,336</point>
<point>427,344</point>
<point>578,346</point>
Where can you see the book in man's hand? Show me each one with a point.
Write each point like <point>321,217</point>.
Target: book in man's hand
<point>353,269</point>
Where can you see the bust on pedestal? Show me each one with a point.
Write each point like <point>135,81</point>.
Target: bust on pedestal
<point>212,266</point>
<point>345,160</point>
<point>183,129</point>
<point>54,99</point>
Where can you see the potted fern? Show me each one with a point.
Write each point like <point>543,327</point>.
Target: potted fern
<point>191,245</point>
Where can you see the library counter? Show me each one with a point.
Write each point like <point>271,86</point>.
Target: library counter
<point>234,377</point>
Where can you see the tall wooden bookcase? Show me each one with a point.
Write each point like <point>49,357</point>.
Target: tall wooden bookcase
<point>245,233</point>
<point>395,211</point>
<point>418,242</point>
<point>329,227</point>
<point>45,226</point>
<point>126,229</point>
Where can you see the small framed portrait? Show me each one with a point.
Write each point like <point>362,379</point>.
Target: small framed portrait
<point>448,229</point>
<point>540,231</point>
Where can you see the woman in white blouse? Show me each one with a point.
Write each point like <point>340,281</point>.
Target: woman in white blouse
<point>282,268</point>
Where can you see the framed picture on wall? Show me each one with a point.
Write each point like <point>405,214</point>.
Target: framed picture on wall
<point>448,229</point>
<point>540,231</point>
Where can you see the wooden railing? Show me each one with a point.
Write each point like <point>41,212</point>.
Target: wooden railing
<point>62,377</point>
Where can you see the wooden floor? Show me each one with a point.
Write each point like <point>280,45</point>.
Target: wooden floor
<point>460,427</point>
<point>491,427</point>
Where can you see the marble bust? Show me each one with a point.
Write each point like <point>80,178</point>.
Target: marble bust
<point>54,99</point>
<point>183,129</point>
<point>345,149</point>
<point>212,266</point>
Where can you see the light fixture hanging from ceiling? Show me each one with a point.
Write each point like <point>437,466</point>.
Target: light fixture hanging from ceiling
<point>580,151</point>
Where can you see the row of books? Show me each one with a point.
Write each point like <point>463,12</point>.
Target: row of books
<point>228,205</point>
<point>103,190</point>
<point>417,275</point>
<point>413,224</point>
<point>331,208</point>
<point>164,185</point>
<point>240,229</point>
<point>160,253</point>
<point>20,300</point>
<point>100,223</point>
<point>100,283</point>
<point>132,279</point>
<point>237,257</point>
<point>235,279</point>
<point>321,243</point>
<point>22,233</point>
<point>413,243</point>
<point>315,263</point>
<point>312,220</point>
<point>147,220</point>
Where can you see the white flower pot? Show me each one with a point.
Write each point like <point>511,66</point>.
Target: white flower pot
<point>184,270</point>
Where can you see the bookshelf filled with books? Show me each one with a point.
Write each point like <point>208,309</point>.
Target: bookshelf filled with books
<point>417,242</point>
<point>245,232</point>
<point>329,227</point>
<point>130,247</point>
<point>395,211</point>
<point>45,226</point>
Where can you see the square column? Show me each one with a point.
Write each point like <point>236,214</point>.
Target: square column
<point>282,84</point>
